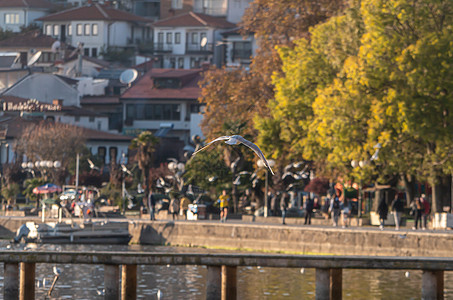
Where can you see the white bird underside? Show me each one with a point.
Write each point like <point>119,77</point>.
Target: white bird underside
<point>236,139</point>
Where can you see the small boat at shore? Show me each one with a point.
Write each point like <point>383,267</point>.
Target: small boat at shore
<point>73,233</point>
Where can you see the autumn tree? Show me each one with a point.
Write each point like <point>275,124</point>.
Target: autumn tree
<point>241,95</point>
<point>50,141</point>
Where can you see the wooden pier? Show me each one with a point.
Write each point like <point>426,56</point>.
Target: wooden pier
<point>19,270</point>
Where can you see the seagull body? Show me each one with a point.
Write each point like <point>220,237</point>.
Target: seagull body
<point>92,165</point>
<point>237,139</point>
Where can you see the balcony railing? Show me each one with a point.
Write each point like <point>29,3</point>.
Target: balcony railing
<point>163,47</point>
<point>197,48</point>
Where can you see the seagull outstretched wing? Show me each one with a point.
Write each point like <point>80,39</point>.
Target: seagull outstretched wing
<point>256,149</point>
<point>222,138</point>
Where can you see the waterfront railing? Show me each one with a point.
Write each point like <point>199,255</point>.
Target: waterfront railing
<point>19,270</point>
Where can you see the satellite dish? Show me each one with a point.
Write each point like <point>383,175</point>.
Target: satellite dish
<point>55,46</point>
<point>204,41</point>
<point>34,58</point>
<point>128,76</point>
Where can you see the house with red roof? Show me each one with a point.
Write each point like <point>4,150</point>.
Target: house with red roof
<point>96,28</point>
<point>187,41</point>
<point>15,14</point>
<point>164,101</point>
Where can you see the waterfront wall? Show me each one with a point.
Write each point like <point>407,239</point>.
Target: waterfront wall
<point>304,239</point>
<point>275,237</point>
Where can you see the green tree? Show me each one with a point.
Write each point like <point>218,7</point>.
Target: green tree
<point>145,144</point>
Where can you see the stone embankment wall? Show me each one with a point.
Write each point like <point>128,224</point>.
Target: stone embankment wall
<point>276,237</point>
<point>303,239</point>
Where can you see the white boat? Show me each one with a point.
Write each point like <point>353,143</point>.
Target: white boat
<point>67,233</point>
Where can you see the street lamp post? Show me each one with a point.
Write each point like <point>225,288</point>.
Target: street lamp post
<point>266,183</point>
<point>360,164</point>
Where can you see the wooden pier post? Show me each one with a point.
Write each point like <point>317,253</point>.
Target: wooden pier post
<point>129,282</point>
<point>27,281</point>
<point>214,283</point>
<point>229,283</point>
<point>111,282</point>
<point>322,284</point>
<point>432,285</point>
<point>336,284</point>
<point>11,281</point>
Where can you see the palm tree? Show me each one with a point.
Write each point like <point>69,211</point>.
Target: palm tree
<point>145,144</point>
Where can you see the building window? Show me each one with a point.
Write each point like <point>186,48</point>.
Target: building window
<point>91,119</point>
<point>242,50</point>
<point>87,29</point>
<point>79,29</point>
<point>49,29</point>
<point>86,51</point>
<point>177,37</point>
<point>113,154</point>
<point>172,63</point>
<point>169,112</point>
<point>194,62</point>
<point>77,119</point>
<point>169,38</point>
<point>194,39</point>
<point>11,18</point>
<point>101,154</point>
<point>70,29</point>
<point>160,37</point>
<point>180,62</point>
<point>56,29</point>
<point>94,29</point>
<point>176,4</point>
<point>94,52</point>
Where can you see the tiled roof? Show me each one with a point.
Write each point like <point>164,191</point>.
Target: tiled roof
<point>192,19</point>
<point>144,89</point>
<point>94,12</point>
<point>26,3</point>
<point>32,39</point>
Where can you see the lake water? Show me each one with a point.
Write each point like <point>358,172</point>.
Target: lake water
<point>189,282</point>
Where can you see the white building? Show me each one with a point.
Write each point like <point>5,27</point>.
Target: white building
<point>46,88</point>
<point>15,14</point>
<point>188,40</point>
<point>97,28</point>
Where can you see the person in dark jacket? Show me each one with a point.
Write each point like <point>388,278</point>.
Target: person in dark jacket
<point>382,211</point>
<point>308,210</point>
<point>397,207</point>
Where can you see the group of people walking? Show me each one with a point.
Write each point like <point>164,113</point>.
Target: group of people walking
<point>420,209</point>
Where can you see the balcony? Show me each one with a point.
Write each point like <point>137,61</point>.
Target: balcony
<point>198,49</point>
<point>163,47</point>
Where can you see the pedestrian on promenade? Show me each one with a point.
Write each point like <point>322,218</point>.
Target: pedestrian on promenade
<point>382,211</point>
<point>284,203</point>
<point>325,207</point>
<point>224,200</point>
<point>308,204</point>
<point>152,205</point>
<point>345,211</point>
<point>173,208</point>
<point>335,207</point>
<point>184,206</point>
<point>426,209</point>
<point>397,208</point>
<point>417,209</point>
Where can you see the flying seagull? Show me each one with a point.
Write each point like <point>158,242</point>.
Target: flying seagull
<point>92,165</point>
<point>236,139</point>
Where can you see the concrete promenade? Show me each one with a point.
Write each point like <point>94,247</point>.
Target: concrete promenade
<point>269,235</point>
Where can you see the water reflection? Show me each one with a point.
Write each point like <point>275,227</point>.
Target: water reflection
<point>188,282</point>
